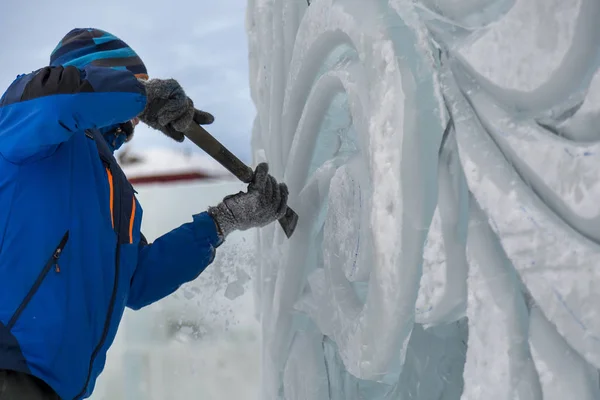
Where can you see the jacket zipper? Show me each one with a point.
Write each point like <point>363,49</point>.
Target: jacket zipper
<point>113,297</point>
<point>52,261</point>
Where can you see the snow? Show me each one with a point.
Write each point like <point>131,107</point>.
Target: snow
<point>429,263</point>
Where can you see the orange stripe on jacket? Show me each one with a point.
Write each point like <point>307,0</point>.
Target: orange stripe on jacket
<point>131,221</point>
<point>110,184</point>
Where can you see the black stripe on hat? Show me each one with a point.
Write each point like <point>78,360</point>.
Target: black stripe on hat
<point>138,69</point>
<point>118,62</point>
<point>76,34</point>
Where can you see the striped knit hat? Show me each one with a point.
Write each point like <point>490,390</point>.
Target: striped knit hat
<point>82,47</point>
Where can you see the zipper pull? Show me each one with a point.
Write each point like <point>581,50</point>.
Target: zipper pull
<point>59,250</point>
<point>56,256</point>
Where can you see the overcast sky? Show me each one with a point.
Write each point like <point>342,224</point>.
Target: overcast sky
<point>201,43</point>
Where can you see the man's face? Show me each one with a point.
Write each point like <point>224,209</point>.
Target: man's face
<point>134,122</point>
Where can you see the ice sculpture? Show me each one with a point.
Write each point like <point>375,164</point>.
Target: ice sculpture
<point>443,158</point>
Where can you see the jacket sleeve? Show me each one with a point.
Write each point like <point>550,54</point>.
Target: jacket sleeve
<point>173,259</point>
<point>44,108</point>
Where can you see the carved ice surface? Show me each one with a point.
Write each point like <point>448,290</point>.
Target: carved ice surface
<point>443,157</point>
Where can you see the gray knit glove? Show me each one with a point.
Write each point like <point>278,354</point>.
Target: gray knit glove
<point>264,202</point>
<point>169,110</point>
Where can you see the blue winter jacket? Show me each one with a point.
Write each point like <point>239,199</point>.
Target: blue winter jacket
<point>72,256</point>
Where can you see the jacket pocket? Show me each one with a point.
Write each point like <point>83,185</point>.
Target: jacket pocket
<point>52,262</point>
